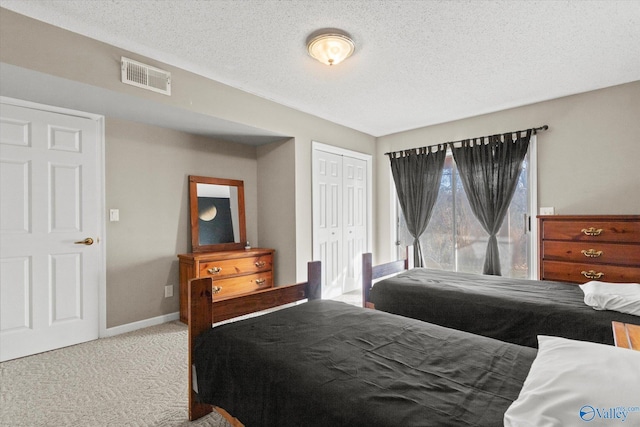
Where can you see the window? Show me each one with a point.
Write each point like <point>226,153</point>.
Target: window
<point>454,239</point>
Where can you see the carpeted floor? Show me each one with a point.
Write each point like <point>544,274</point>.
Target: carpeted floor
<point>133,379</point>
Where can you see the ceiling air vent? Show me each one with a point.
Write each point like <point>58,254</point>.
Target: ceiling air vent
<point>145,76</point>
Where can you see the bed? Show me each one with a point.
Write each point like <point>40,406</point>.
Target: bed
<point>325,362</point>
<point>200,317</point>
<point>511,310</point>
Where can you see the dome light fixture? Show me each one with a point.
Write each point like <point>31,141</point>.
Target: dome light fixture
<point>330,47</point>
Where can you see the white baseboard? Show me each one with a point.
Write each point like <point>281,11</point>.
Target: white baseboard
<point>129,327</point>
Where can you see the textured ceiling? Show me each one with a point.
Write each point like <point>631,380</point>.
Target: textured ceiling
<point>416,63</point>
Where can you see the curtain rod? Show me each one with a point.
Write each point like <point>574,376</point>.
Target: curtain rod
<point>535,130</point>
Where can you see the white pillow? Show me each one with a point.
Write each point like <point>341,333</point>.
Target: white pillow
<point>572,383</point>
<point>622,297</point>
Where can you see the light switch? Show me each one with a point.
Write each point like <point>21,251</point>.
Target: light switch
<point>114,215</point>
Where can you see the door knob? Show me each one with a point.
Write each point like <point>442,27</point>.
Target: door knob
<point>88,241</point>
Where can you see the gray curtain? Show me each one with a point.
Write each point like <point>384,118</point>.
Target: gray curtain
<point>417,174</point>
<point>489,169</point>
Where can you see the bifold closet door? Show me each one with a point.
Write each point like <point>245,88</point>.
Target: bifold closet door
<point>340,220</point>
<point>327,205</point>
<point>354,184</point>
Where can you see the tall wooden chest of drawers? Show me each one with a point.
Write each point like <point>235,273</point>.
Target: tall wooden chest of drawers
<point>235,272</point>
<point>581,248</point>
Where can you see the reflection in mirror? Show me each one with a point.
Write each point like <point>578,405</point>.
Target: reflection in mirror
<point>217,214</point>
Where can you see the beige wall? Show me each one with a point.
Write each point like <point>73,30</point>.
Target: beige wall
<point>280,173</point>
<point>588,160</point>
<point>147,180</point>
<point>276,183</point>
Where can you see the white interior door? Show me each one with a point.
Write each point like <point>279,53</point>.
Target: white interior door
<point>354,183</point>
<point>341,217</point>
<point>50,197</point>
<point>327,236</point>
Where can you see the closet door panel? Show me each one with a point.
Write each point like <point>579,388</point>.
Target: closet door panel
<point>328,224</point>
<point>355,219</point>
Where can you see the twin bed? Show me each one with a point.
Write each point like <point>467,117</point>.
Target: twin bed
<point>512,310</point>
<point>323,363</point>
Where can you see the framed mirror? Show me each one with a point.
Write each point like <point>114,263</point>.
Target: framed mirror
<point>216,207</point>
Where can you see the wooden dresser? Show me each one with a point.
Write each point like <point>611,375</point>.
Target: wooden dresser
<point>581,248</point>
<point>236,272</point>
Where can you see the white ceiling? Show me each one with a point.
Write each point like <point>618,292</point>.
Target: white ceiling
<point>416,63</point>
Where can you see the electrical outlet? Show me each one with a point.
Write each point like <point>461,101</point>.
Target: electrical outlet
<point>547,211</point>
<point>168,291</point>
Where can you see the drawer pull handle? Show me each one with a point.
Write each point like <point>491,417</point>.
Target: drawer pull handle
<point>592,231</point>
<point>216,289</point>
<point>591,274</point>
<point>214,270</point>
<point>591,253</point>
<point>260,264</point>
<point>260,281</point>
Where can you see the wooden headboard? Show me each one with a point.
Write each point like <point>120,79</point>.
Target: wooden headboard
<point>201,312</point>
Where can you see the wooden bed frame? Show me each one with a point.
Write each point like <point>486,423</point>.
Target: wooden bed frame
<point>372,272</point>
<point>201,315</point>
<point>626,335</point>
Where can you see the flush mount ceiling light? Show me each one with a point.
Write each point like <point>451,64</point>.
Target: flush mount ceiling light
<point>330,47</point>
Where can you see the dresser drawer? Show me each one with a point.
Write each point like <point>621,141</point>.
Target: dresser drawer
<point>242,284</point>
<point>236,272</point>
<point>584,272</point>
<point>592,231</point>
<point>592,253</point>
<point>232,267</point>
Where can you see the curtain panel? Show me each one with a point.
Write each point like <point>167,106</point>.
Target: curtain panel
<point>489,168</point>
<point>417,174</point>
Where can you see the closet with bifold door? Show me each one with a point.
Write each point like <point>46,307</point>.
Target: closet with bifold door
<point>341,216</point>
